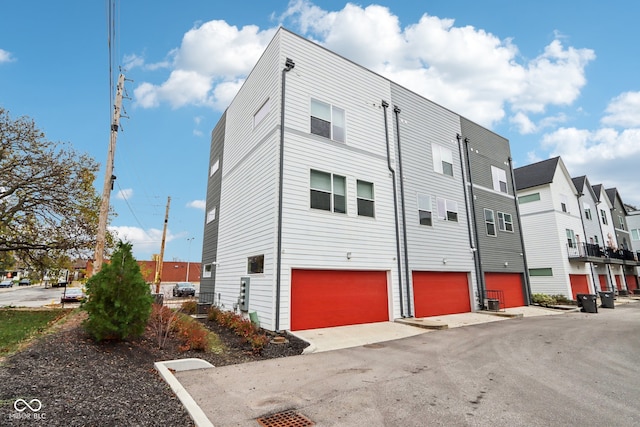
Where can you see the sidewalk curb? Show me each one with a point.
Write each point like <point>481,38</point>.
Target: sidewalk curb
<point>164,368</point>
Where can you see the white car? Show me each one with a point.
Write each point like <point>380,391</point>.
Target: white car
<point>6,284</point>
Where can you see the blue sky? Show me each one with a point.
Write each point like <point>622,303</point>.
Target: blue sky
<point>554,77</point>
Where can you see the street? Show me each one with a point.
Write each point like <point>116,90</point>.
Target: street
<point>29,296</point>
<point>567,369</point>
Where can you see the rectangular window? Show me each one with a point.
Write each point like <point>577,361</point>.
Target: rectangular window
<point>442,159</point>
<point>261,113</point>
<point>603,215</point>
<point>328,192</point>
<point>206,271</point>
<point>620,222</point>
<point>635,234</point>
<point>424,209</point>
<point>587,211</point>
<point>505,222</point>
<point>255,264</point>
<point>366,200</point>
<point>564,201</point>
<point>499,177</point>
<point>211,215</point>
<point>214,167</point>
<point>571,238</point>
<point>536,272</point>
<point>447,209</point>
<point>490,222</point>
<point>529,198</point>
<point>328,121</point>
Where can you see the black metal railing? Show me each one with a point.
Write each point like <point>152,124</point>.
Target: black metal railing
<point>584,250</point>
<point>494,300</point>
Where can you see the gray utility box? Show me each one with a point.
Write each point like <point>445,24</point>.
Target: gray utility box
<point>493,305</point>
<point>243,298</point>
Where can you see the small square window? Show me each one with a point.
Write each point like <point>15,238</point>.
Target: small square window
<point>447,209</point>
<point>211,215</point>
<point>505,222</point>
<point>207,270</point>
<point>442,159</point>
<point>255,264</point>
<point>214,167</point>
<point>328,192</point>
<point>499,177</point>
<point>327,121</point>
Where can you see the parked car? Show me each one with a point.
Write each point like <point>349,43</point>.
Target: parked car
<point>184,289</point>
<point>73,295</point>
<point>24,282</point>
<point>8,283</point>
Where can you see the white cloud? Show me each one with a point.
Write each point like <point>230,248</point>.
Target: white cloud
<point>125,194</point>
<point>197,204</point>
<point>605,155</point>
<point>6,56</point>
<point>523,123</point>
<point>624,110</point>
<point>143,241</point>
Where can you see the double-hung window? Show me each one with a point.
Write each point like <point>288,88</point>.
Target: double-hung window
<point>366,201</point>
<point>490,222</point>
<point>621,222</point>
<point>587,211</point>
<point>328,121</point>
<point>447,209</point>
<point>571,239</point>
<point>442,159</point>
<point>499,177</point>
<point>603,215</point>
<point>424,209</point>
<point>505,222</point>
<point>328,192</point>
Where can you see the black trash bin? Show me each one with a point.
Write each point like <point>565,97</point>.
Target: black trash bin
<point>493,305</point>
<point>606,300</point>
<point>587,302</point>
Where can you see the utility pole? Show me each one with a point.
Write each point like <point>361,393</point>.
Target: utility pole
<point>190,239</point>
<point>161,259</point>
<point>108,179</point>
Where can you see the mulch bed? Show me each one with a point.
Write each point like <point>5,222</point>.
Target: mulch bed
<point>83,383</point>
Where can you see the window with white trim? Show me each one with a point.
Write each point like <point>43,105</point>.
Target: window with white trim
<point>261,113</point>
<point>211,215</point>
<point>207,270</point>
<point>587,211</point>
<point>499,177</point>
<point>425,210</point>
<point>490,222</point>
<point>571,238</point>
<point>505,222</point>
<point>620,222</point>
<point>328,121</point>
<point>603,215</point>
<point>635,234</point>
<point>447,209</point>
<point>564,202</point>
<point>442,159</point>
<point>534,197</point>
<point>327,192</point>
<point>214,167</point>
<point>366,201</point>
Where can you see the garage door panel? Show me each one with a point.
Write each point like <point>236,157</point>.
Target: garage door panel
<point>603,283</point>
<point>326,298</point>
<point>511,286</point>
<point>579,284</point>
<point>632,282</point>
<point>438,293</point>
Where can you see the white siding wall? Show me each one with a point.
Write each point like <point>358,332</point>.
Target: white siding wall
<point>320,239</point>
<point>247,211</point>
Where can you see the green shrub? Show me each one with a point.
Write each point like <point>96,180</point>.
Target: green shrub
<point>240,326</point>
<point>543,299</point>
<point>561,299</point>
<point>119,300</point>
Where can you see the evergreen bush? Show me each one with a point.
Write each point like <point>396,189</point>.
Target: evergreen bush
<point>119,299</point>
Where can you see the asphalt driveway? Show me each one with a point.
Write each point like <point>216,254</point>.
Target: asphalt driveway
<point>569,369</point>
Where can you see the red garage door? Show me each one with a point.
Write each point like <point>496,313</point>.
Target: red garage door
<point>619,282</point>
<point>511,286</point>
<point>603,282</point>
<point>325,298</point>
<point>579,284</point>
<point>632,282</point>
<point>436,293</point>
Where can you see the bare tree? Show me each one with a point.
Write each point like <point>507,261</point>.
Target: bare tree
<point>47,199</point>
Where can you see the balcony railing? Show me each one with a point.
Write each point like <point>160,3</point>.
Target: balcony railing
<point>590,250</point>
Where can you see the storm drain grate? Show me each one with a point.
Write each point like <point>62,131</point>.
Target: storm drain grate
<point>285,419</point>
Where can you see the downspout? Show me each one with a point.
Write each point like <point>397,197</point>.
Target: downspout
<point>527,281</point>
<point>473,248</point>
<point>385,105</point>
<point>478,258</point>
<point>396,110</point>
<point>288,66</point>
<point>606,266</point>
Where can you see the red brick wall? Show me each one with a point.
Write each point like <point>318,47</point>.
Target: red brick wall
<point>172,271</point>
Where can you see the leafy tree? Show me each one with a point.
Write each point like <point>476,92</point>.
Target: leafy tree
<point>119,300</point>
<point>47,198</point>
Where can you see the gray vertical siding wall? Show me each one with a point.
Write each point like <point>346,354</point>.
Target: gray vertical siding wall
<point>487,149</point>
<point>214,184</point>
